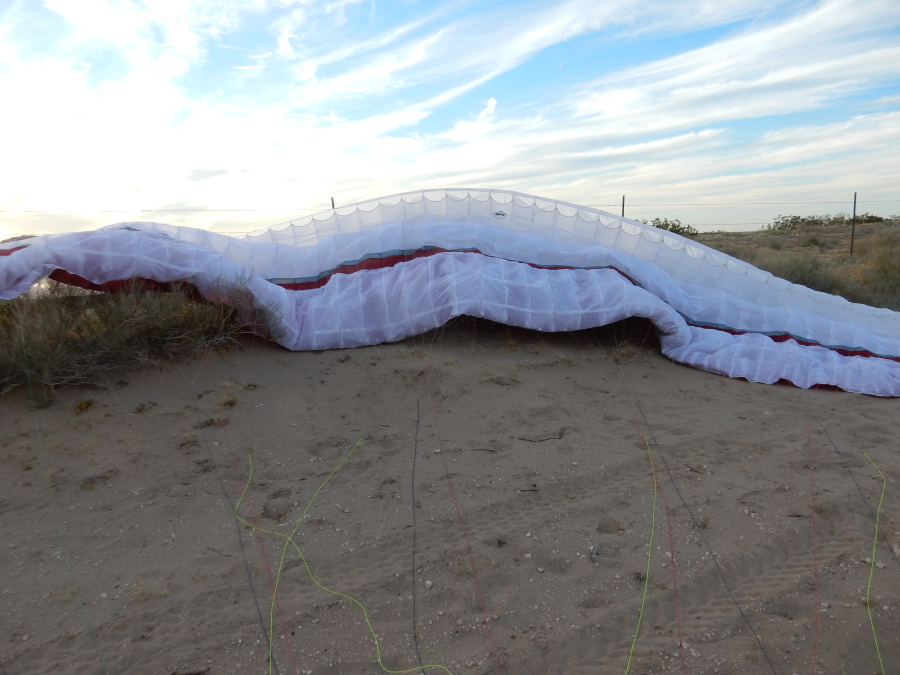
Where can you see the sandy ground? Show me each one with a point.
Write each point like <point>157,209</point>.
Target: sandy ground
<point>120,552</point>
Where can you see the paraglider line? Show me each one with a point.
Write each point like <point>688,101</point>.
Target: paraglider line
<point>265,557</point>
<point>855,482</point>
<point>812,513</point>
<point>237,526</point>
<point>872,566</point>
<point>649,555</point>
<point>673,563</point>
<point>462,525</point>
<point>238,520</point>
<point>289,540</point>
<point>706,542</point>
<point>284,629</point>
<point>413,490</point>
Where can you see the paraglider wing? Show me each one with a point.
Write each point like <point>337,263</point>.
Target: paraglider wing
<point>397,266</point>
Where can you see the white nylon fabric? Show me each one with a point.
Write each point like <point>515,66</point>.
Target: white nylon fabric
<point>508,257</point>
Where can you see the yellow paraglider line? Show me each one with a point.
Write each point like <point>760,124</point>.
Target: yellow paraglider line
<point>289,541</point>
<point>649,554</point>
<point>872,566</point>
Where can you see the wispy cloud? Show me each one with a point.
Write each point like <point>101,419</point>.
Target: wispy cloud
<point>463,52</point>
<point>295,102</point>
<point>203,174</point>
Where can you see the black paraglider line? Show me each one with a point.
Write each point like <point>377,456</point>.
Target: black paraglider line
<point>422,667</point>
<point>462,524</point>
<point>246,562</point>
<point>855,482</point>
<point>702,536</point>
<point>90,630</point>
<point>202,362</point>
<point>237,525</point>
<point>672,556</point>
<point>190,383</point>
<point>413,491</point>
<point>815,546</point>
<point>269,638</point>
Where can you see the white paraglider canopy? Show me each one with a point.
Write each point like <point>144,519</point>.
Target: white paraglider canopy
<point>397,266</point>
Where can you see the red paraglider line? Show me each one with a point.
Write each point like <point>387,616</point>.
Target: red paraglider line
<point>391,259</point>
<point>462,525</point>
<point>812,513</point>
<point>383,261</point>
<point>284,629</point>
<point>784,337</point>
<point>673,559</point>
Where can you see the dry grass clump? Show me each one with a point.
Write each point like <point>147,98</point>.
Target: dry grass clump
<point>822,262</point>
<point>876,278</point>
<point>58,335</point>
<point>806,269</point>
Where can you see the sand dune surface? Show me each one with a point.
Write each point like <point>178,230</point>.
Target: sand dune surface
<point>488,496</point>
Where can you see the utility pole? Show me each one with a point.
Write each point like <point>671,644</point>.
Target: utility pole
<point>623,206</point>
<point>853,225</point>
<point>332,203</point>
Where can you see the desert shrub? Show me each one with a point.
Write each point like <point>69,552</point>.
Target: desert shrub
<point>871,277</point>
<point>18,237</point>
<point>886,242</point>
<point>879,274</point>
<point>58,335</point>
<point>790,223</point>
<point>672,226</point>
<point>806,269</point>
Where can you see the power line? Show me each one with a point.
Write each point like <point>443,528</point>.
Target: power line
<point>870,201</point>
<point>308,208</point>
<point>169,210</point>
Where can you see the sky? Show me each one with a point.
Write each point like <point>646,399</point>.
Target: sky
<point>233,115</point>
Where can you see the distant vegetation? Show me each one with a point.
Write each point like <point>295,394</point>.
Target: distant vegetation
<point>791,223</point>
<point>672,226</point>
<point>814,251</point>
